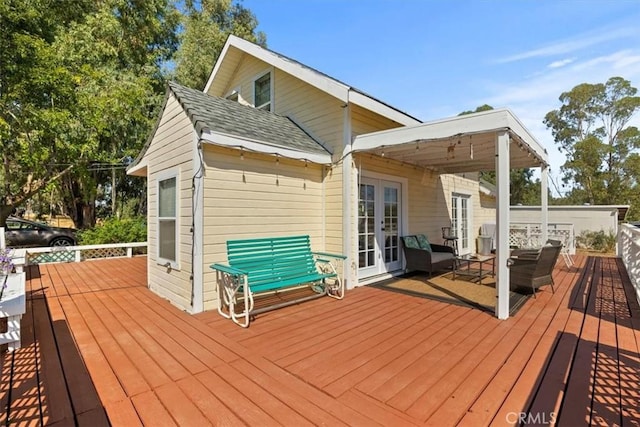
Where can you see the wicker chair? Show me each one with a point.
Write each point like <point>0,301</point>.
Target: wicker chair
<point>533,268</point>
<point>421,255</point>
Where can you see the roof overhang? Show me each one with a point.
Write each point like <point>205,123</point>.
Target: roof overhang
<point>457,144</point>
<point>138,169</point>
<point>232,141</point>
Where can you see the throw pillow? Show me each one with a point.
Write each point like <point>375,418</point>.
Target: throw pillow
<point>423,242</point>
<point>411,242</point>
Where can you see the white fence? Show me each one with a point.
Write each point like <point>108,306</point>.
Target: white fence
<point>629,250</point>
<point>82,253</point>
<point>529,235</point>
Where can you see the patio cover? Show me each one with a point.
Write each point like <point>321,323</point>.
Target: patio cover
<point>490,140</point>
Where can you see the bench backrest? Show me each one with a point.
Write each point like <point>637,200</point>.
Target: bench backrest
<point>272,259</point>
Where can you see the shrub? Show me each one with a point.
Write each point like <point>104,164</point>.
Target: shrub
<point>597,240</point>
<point>114,230</point>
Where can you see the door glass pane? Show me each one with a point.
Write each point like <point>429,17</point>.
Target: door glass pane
<point>464,222</point>
<point>454,215</point>
<point>366,226</point>
<point>390,224</point>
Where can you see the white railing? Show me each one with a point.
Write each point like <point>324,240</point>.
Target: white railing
<point>529,235</point>
<point>629,250</point>
<point>82,253</point>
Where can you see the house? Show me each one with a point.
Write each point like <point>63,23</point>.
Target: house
<point>272,147</point>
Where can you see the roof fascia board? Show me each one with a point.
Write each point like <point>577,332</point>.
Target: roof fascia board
<point>218,138</point>
<point>217,65</point>
<point>367,102</point>
<point>142,156</point>
<point>488,121</point>
<point>326,84</point>
<point>139,169</point>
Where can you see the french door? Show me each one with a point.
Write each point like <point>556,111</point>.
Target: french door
<point>461,222</point>
<point>379,227</point>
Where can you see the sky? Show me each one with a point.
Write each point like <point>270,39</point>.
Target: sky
<point>435,59</point>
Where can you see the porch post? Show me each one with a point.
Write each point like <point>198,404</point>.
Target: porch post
<point>544,202</point>
<point>351,272</point>
<point>502,224</point>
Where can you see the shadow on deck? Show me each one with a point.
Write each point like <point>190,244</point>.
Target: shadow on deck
<point>99,348</point>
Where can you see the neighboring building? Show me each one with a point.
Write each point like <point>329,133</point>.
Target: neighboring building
<point>269,149</point>
<point>571,221</point>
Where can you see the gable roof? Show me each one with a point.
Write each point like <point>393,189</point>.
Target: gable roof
<point>223,122</point>
<point>321,81</point>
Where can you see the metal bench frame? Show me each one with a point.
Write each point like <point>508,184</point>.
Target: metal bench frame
<point>270,265</point>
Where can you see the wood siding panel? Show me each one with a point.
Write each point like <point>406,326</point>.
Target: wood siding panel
<point>170,148</point>
<point>256,196</point>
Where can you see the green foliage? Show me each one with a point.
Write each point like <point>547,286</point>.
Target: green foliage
<point>600,241</point>
<point>207,25</point>
<point>114,230</point>
<point>602,151</point>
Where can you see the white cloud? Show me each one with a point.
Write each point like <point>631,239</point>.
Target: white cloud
<point>572,45</point>
<point>561,63</point>
<point>535,95</point>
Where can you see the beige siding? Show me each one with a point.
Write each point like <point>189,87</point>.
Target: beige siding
<point>171,148</point>
<point>364,121</point>
<point>429,196</point>
<point>256,196</point>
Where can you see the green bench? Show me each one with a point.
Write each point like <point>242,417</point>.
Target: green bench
<point>270,265</point>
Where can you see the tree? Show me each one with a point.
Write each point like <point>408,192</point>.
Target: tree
<point>34,91</point>
<point>207,24</point>
<point>523,189</point>
<point>116,56</point>
<point>591,129</point>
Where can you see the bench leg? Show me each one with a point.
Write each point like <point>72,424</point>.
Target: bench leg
<point>12,336</point>
<point>337,289</point>
<point>243,318</point>
<point>223,301</point>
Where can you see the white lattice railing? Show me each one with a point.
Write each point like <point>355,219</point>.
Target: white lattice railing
<point>629,250</point>
<point>82,253</point>
<point>529,235</point>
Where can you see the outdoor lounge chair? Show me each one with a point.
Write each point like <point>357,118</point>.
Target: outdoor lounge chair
<point>421,255</point>
<point>533,268</point>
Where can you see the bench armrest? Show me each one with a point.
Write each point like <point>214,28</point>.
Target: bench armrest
<point>229,270</point>
<point>326,254</point>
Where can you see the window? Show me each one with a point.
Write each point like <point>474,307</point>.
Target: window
<point>262,92</point>
<point>167,220</point>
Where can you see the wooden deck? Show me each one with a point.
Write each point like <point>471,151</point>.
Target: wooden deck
<point>99,349</point>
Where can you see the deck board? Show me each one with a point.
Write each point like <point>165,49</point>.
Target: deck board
<point>99,348</point>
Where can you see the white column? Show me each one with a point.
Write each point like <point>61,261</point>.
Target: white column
<point>544,202</point>
<point>502,224</point>
<point>351,269</point>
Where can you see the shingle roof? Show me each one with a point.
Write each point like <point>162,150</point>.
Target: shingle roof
<point>212,114</point>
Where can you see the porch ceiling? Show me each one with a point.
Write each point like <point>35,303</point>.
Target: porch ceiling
<point>457,144</point>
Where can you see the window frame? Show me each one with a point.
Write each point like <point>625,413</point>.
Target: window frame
<point>161,177</point>
<point>270,104</point>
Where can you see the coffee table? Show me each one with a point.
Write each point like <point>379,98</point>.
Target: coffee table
<point>480,263</point>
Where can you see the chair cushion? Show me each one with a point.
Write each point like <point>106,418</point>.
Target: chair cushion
<point>411,242</point>
<point>440,256</point>
<point>423,242</point>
